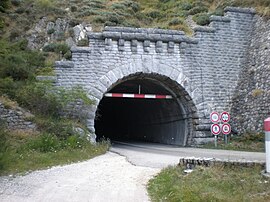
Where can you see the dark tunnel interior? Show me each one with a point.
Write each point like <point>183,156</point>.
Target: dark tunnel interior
<point>149,120</point>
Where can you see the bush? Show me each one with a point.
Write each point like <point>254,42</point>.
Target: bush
<point>175,21</point>
<point>251,137</point>
<point>153,13</point>
<point>185,6</point>
<point>218,12</point>
<point>16,67</point>
<point>2,23</point>
<point>99,19</point>
<point>50,31</point>
<point>44,143</point>
<point>16,2</point>
<point>4,4</point>
<point>118,6</point>
<point>74,8</point>
<point>83,42</point>
<point>201,19</point>
<point>198,9</point>
<point>56,48</point>
<point>8,87</point>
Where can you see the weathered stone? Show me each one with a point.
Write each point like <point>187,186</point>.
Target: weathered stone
<point>211,62</point>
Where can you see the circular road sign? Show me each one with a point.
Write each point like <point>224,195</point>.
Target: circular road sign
<point>226,128</point>
<point>215,129</point>
<point>214,116</point>
<point>225,117</point>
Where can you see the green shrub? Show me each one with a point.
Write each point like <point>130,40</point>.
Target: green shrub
<point>16,2</point>
<point>16,67</point>
<point>218,12</point>
<point>50,31</point>
<point>198,9</point>
<point>201,19</point>
<point>8,87</point>
<point>83,42</point>
<point>4,4</point>
<point>118,6</point>
<point>14,35</point>
<point>99,19</point>
<point>132,4</point>
<point>44,143</point>
<point>45,5</point>
<point>57,48</point>
<point>2,23</point>
<point>175,21</point>
<point>74,8</point>
<point>68,55</point>
<point>153,13</point>
<point>251,137</point>
<point>20,10</point>
<point>185,6</point>
<point>3,136</point>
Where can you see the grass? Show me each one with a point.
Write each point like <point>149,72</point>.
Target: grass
<point>227,184</point>
<point>22,152</point>
<point>20,18</point>
<point>253,142</point>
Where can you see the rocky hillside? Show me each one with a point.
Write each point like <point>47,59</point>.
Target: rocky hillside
<point>46,21</point>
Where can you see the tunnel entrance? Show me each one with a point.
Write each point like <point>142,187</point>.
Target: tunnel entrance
<point>150,120</point>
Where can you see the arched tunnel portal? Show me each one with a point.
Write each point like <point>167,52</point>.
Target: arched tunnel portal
<point>167,121</point>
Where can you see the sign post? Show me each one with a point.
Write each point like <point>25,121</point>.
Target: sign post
<point>226,128</point>
<point>215,129</point>
<point>267,143</point>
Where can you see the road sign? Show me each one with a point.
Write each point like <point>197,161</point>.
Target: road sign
<point>225,117</point>
<point>214,116</point>
<point>215,129</point>
<point>226,128</point>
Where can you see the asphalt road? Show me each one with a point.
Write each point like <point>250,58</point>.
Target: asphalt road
<point>160,156</point>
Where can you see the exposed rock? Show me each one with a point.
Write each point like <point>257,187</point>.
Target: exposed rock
<point>17,118</point>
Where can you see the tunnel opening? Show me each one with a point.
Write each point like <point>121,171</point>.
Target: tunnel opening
<point>150,120</point>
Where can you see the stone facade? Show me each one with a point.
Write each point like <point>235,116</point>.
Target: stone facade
<point>251,101</point>
<point>203,69</point>
<point>16,119</point>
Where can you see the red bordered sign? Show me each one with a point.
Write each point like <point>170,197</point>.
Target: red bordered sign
<point>214,116</point>
<point>225,117</point>
<point>226,128</point>
<point>215,129</point>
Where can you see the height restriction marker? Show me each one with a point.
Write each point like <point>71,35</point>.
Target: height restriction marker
<point>214,116</point>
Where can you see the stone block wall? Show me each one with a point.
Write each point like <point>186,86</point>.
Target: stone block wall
<point>16,119</point>
<point>251,100</point>
<point>207,66</point>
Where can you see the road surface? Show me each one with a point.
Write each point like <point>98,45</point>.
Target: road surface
<point>120,175</point>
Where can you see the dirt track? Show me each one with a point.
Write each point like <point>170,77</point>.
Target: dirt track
<point>105,178</point>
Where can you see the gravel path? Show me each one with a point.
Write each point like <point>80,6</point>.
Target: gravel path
<point>105,178</point>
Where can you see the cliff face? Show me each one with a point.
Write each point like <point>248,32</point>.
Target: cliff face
<point>251,101</point>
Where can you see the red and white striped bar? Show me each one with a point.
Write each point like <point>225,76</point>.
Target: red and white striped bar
<point>142,96</point>
<point>267,143</point>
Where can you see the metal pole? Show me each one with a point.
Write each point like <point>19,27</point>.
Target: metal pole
<point>226,139</point>
<point>267,143</point>
<point>139,89</point>
<point>215,140</point>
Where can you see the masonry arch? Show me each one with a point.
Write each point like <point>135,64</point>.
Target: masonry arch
<point>167,121</point>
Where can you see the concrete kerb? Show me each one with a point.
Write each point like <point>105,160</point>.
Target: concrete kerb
<point>191,162</point>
